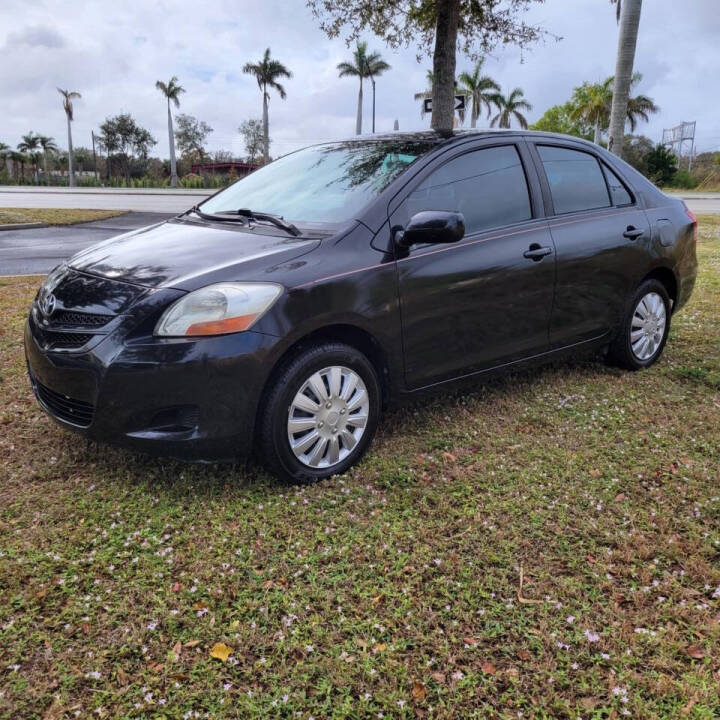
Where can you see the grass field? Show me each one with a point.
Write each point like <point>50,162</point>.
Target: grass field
<point>547,547</point>
<point>53,216</point>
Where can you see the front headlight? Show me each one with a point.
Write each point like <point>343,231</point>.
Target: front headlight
<point>218,309</point>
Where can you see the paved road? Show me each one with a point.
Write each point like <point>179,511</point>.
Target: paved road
<point>138,200</point>
<point>25,252</point>
<point>179,200</point>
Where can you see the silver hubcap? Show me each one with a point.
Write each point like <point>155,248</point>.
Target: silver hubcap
<point>648,326</point>
<point>327,416</point>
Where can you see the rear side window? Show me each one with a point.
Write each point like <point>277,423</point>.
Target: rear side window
<point>576,180</point>
<point>487,186</point>
<point>618,192</point>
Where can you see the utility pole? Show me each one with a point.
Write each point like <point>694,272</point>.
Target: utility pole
<point>92,132</point>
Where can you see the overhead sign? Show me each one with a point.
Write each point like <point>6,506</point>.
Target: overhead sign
<point>459,104</point>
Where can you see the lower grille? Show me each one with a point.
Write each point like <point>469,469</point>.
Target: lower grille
<point>73,411</point>
<point>78,319</point>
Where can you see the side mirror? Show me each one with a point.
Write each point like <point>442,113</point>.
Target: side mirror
<point>432,226</point>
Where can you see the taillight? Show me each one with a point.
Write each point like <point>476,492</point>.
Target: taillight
<point>694,221</point>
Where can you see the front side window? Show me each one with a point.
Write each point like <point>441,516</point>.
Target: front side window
<point>321,184</point>
<point>487,186</point>
<point>576,180</point>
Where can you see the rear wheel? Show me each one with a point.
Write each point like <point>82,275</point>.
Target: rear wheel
<point>321,413</point>
<point>645,328</point>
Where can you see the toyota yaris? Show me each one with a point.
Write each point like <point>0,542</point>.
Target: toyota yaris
<point>286,311</point>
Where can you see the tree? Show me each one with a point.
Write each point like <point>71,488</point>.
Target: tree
<point>29,144</point>
<point>509,107</point>
<point>267,72</point>
<point>129,140</point>
<point>361,66</point>
<point>559,119</point>
<point>48,146</point>
<point>591,105</point>
<point>482,89</point>
<point>629,18</point>
<point>68,97</point>
<point>438,26</point>
<point>661,165</point>
<point>191,135</point>
<point>252,132</point>
<point>172,92</point>
<point>637,149</point>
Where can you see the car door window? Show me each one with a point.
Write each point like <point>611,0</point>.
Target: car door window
<point>487,186</point>
<point>618,192</point>
<point>575,178</point>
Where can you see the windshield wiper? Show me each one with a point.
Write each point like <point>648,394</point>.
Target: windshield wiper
<point>244,216</point>
<point>267,217</point>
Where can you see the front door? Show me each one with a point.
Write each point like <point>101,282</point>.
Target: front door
<point>487,299</point>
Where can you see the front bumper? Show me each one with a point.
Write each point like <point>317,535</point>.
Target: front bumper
<point>191,399</point>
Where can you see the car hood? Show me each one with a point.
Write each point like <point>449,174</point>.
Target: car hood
<point>185,254</point>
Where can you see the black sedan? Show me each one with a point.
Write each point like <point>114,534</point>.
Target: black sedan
<point>285,312</point>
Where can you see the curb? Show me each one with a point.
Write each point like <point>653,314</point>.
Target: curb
<point>24,226</point>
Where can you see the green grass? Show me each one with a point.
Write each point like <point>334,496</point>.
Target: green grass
<point>53,216</point>
<point>396,588</point>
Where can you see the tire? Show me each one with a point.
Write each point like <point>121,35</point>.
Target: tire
<point>641,350</point>
<point>343,437</point>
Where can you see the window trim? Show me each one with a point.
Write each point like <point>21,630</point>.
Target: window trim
<point>536,212</point>
<point>606,169</point>
<point>546,182</point>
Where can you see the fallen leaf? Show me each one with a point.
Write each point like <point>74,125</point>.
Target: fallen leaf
<point>695,651</point>
<point>523,654</point>
<point>595,472</point>
<point>449,457</point>
<point>471,641</point>
<point>85,628</point>
<point>488,667</point>
<point>377,599</point>
<point>438,677</point>
<point>176,587</point>
<point>191,643</point>
<point>419,691</point>
<point>155,667</point>
<point>379,647</point>
<point>221,651</point>
<point>297,654</point>
<point>121,676</point>
<point>200,606</point>
<point>177,648</point>
<point>267,585</point>
<point>180,676</point>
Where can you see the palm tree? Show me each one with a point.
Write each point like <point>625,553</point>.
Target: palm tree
<point>482,89</point>
<point>362,66</point>
<point>29,144</point>
<point>18,159</point>
<point>172,92</point>
<point>629,18</point>
<point>68,97</point>
<point>509,107</point>
<point>48,146</point>
<point>4,155</point>
<point>267,72</point>
<point>591,104</point>
<point>639,106</point>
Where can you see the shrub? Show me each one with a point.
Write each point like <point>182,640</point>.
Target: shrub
<point>683,179</point>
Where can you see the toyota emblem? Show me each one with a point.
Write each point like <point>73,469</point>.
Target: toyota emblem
<point>47,304</point>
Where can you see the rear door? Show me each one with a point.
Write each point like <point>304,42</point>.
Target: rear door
<point>483,301</point>
<point>600,235</point>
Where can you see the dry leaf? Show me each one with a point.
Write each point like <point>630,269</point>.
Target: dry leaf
<point>379,647</point>
<point>438,677</point>
<point>449,457</point>
<point>297,654</point>
<point>620,497</point>
<point>180,676</point>
<point>191,643</point>
<point>176,587</point>
<point>595,472</point>
<point>695,651</point>
<point>488,667</point>
<point>377,599</point>
<point>221,651</point>
<point>471,641</point>
<point>267,585</point>
<point>155,667</point>
<point>419,691</point>
<point>177,648</point>
<point>121,676</point>
<point>523,654</point>
<point>200,606</point>
<point>85,628</point>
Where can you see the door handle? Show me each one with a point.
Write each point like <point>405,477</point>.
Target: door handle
<point>631,233</point>
<point>536,252</point>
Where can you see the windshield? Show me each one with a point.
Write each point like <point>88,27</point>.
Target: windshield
<point>321,184</point>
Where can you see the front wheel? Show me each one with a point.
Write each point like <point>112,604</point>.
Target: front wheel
<point>320,414</point>
<point>644,331</point>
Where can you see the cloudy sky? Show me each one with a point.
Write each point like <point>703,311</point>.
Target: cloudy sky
<point>113,52</point>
